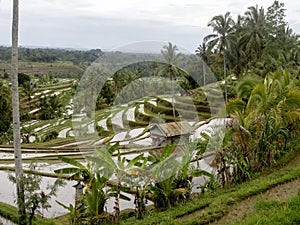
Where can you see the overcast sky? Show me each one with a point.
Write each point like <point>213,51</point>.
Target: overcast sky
<point>112,23</point>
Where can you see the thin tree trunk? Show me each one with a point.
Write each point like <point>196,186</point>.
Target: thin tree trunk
<point>172,87</point>
<point>225,80</point>
<point>16,116</point>
<point>117,203</point>
<point>204,73</point>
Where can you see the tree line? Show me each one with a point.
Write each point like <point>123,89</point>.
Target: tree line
<point>259,40</point>
<point>51,54</point>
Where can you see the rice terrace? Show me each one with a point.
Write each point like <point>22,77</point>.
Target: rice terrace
<point>151,133</point>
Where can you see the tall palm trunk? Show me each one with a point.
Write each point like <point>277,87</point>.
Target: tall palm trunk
<point>172,87</point>
<point>204,73</point>
<point>225,80</point>
<point>16,116</point>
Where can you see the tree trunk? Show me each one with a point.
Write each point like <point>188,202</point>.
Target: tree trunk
<point>16,116</point>
<point>172,87</point>
<point>117,202</point>
<point>225,80</point>
<point>204,73</point>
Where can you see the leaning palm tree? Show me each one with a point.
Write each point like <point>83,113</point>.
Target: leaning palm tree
<point>16,116</point>
<point>223,26</point>
<point>171,56</point>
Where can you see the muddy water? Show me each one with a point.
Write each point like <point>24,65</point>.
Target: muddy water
<point>5,221</point>
<point>65,195</point>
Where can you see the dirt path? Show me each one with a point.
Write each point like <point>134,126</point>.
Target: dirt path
<point>281,192</point>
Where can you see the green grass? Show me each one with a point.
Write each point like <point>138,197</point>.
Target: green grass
<point>274,212</point>
<point>10,212</point>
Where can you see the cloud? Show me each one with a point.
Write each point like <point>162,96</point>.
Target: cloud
<point>107,24</point>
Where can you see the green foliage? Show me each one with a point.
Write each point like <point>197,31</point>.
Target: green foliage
<point>23,78</point>
<point>11,213</point>
<point>217,203</point>
<point>51,55</point>
<point>90,207</point>
<point>50,107</point>
<point>6,109</point>
<point>36,199</point>
<point>102,132</point>
<point>260,41</point>
<point>77,170</point>
<point>267,110</point>
<point>50,136</point>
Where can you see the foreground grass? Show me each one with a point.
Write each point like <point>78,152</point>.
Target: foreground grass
<point>212,206</point>
<point>275,212</point>
<point>10,212</point>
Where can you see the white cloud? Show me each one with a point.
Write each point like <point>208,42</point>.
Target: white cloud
<point>106,24</point>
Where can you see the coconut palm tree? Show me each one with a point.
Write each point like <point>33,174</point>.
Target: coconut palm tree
<point>28,89</point>
<point>171,56</point>
<point>16,116</point>
<point>255,21</point>
<point>223,26</point>
<point>203,53</point>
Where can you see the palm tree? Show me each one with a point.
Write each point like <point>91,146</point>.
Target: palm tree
<point>171,57</point>
<point>203,53</point>
<point>255,20</point>
<point>16,116</point>
<point>223,26</point>
<point>28,89</point>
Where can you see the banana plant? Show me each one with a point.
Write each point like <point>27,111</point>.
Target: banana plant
<point>92,204</point>
<point>77,171</point>
<point>71,209</point>
<point>164,170</point>
<point>107,166</point>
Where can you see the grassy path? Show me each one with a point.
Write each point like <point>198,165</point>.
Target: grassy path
<point>241,211</point>
<point>280,193</point>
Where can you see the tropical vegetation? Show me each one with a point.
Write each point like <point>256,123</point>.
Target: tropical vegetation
<point>255,58</point>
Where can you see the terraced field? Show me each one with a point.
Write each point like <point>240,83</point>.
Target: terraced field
<point>127,124</point>
<point>131,120</point>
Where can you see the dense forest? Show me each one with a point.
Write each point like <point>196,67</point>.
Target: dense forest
<point>260,41</point>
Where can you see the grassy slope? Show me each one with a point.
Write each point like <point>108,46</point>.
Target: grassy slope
<point>274,212</point>
<point>10,213</point>
<point>213,206</point>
